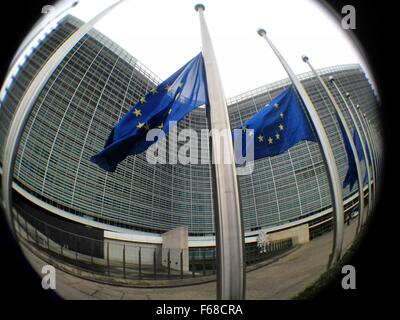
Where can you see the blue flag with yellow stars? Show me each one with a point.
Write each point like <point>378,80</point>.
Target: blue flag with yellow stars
<point>351,174</point>
<point>277,127</point>
<point>360,153</point>
<point>358,145</point>
<point>172,100</point>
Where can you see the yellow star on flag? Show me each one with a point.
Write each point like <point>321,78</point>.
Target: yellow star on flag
<point>137,112</point>
<point>142,99</point>
<point>161,126</point>
<point>140,125</point>
<point>280,126</point>
<point>270,140</point>
<point>260,138</point>
<point>278,136</point>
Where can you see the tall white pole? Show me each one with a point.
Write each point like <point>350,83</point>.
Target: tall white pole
<point>43,22</point>
<point>347,132</point>
<point>372,151</point>
<point>327,155</point>
<point>376,149</point>
<point>59,9</point>
<point>363,139</point>
<point>27,102</point>
<point>228,221</point>
<point>368,141</point>
<point>374,142</point>
<point>371,138</point>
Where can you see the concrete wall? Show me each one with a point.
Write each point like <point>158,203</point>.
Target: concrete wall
<point>132,252</point>
<point>299,234</point>
<point>174,242</point>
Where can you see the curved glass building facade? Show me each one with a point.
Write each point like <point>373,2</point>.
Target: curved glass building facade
<point>97,83</point>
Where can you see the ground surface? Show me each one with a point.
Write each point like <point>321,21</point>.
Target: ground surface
<point>283,278</point>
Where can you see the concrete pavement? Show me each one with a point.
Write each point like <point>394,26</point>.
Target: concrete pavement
<point>283,278</point>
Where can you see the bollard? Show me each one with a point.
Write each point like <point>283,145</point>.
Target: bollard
<point>140,263</point>
<point>108,258</point>
<point>204,262</point>
<point>91,252</point>
<point>181,258</point>
<point>18,223</point>
<point>169,263</point>
<point>194,265</point>
<point>154,264</point>
<point>26,229</point>
<point>123,260</point>
<point>214,261</point>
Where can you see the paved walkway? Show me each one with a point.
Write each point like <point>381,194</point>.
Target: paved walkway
<point>282,279</point>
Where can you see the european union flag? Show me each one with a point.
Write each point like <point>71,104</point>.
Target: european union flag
<point>358,145</point>
<point>351,175</point>
<point>360,153</point>
<point>277,127</point>
<point>359,148</point>
<point>172,100</point>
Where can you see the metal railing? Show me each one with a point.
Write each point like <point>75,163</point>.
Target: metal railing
<point>120,260</point>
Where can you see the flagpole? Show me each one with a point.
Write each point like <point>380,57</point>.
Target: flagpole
<point>372,153</point>
<point>368,141</point>
<point>327,155</point>
<point>371,148</point>
<point>27,102</point>
<point>373,141</point>
<point>363,139</point>
<point>349,137</point>
<point>228,221</point>
<point>376,145</point>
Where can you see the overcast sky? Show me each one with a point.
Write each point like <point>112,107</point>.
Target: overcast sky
<point>165,34</point>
